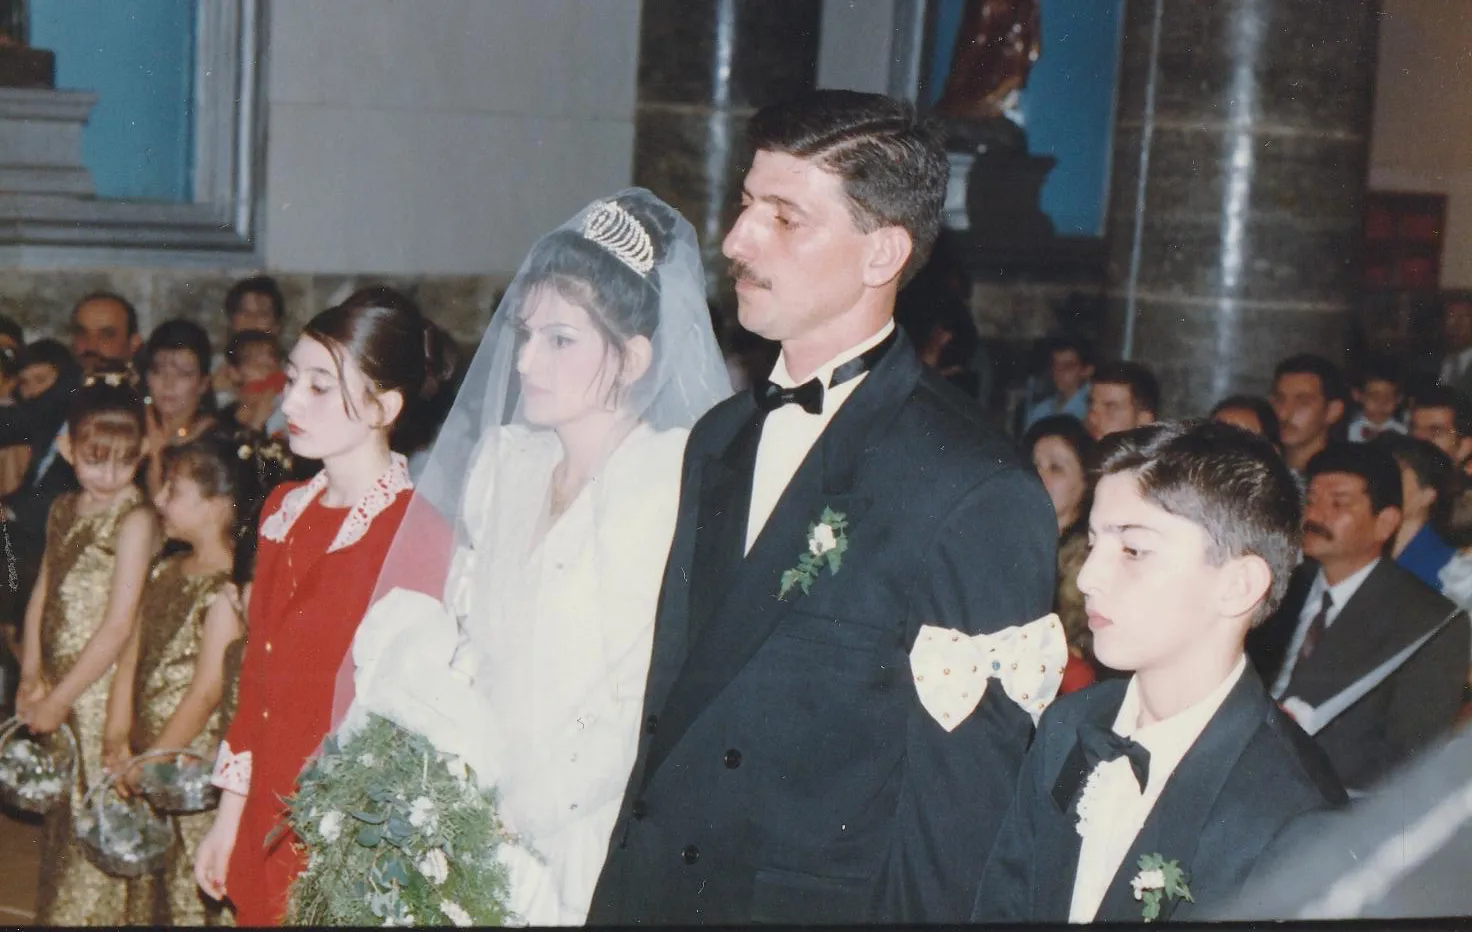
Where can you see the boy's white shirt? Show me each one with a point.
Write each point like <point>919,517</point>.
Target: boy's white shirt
<point>1121,808</point>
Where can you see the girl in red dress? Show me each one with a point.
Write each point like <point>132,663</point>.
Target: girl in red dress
<point>322,542</point>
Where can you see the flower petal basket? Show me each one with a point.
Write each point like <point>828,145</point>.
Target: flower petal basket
<point>122,837</point>
<point>176,781</point>
<point>35,770</point>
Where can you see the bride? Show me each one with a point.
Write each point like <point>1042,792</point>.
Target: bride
<point>560,468</point>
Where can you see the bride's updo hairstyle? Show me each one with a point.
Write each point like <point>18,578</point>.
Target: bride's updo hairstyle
<point>391,341</point>
<point>610,267</point>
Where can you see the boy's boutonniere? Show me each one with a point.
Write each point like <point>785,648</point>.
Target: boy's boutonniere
<point>1158,878</point>
<point>827,543</point>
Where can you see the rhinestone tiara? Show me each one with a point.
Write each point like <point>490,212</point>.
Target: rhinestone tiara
<point>616,230</point>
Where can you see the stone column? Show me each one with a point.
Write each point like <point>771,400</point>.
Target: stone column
<point>704,67</point>
<point>1240,149</point>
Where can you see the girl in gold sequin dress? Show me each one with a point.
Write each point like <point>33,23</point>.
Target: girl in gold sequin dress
<point>81,614</point>
<point>176,683</point>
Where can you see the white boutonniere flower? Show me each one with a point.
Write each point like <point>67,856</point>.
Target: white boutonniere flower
<point>1158,879</point>
<point>330,826</point>
<point>434,866</point>
<point>827,544</point>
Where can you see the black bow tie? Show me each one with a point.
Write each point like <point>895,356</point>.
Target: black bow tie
<point>1101,745</point>
<point>809,395</point>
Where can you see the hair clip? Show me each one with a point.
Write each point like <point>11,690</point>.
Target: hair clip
<point>616,230</point>
<point>115,379</point>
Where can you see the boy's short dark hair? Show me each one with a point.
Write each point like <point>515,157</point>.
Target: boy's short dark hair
<point>893,167</point>
<point>1331,379</point>
<point>1069,343</point>
<point>1143,385</point>
<point>1228,481</point>
<point>1379,369</point>
<point>1371,462</point>
<point>1442,396</point>
<point>258,284</point>
<point>242,342</point>
<point>1260,409</point>
<point>49,352</point>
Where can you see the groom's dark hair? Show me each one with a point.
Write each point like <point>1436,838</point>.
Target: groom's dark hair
<point>893,167</point>
<point>1228,481</point>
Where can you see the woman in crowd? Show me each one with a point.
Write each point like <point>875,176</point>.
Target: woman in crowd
<point>176,359</point>
<point>175,685</point>
<point>1061,451</point>
<point>1249,412</point>
<point>351,376</point>
<point>81,615</point>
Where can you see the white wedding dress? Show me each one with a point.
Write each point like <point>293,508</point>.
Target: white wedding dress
<point>540,685</point>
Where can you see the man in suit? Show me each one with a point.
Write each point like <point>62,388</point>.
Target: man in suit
<point>1187,768</point>
<point>1351,610</point>
<point>790,770</point>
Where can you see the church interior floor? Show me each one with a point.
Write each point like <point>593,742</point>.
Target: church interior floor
<point>20,859</point>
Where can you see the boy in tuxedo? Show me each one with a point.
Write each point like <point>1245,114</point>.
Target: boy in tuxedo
<point>1149,797</point>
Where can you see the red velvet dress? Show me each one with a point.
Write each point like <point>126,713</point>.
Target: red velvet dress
<point>305,607</point>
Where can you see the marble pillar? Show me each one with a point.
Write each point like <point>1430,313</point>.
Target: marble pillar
<point>1239,166</point>
<point>704,67</point>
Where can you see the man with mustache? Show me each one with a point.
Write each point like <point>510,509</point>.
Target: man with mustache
<point>1368,658</point>
<point>853,539</point>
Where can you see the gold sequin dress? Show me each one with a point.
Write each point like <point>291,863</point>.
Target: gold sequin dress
<point>171,628</point>
<point>81,551</point>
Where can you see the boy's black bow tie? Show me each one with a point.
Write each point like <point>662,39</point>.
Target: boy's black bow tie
<point>809,395</point>
<point>1102,744</point>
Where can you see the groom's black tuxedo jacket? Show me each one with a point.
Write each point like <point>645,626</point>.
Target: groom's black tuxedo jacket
<point>1249,773</point>
<point>1413,707</point>
<point>787,771</point>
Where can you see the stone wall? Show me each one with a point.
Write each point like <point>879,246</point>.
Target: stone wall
<point>41,300</point>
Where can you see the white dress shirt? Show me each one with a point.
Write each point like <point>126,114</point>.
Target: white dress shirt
<point>790,432</point>
<point>1453,367</point>
<point>1119,808</point>
<point>1340,594</point>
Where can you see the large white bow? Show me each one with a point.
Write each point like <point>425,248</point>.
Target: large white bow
<point>951,668</point>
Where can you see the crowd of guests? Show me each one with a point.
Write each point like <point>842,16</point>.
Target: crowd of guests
<point>134,476</point>
<point>1383,469</point>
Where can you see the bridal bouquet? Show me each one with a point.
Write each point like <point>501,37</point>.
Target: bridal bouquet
<point>396,833</point>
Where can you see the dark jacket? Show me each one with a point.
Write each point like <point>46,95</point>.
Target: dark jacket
<point>788,773</point>
<point>1413,707</point>
<point>1249,774</point>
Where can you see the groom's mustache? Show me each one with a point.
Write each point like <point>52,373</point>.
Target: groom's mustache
<point>741,272</point>
<point>1314,527</point>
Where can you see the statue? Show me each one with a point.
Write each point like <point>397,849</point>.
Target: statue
<point>996,46</point>
<point>21,65</point>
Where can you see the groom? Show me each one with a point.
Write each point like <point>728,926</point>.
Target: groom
<point>788,770</point>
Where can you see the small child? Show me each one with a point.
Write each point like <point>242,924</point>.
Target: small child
<point>175,683</point>
<point>255,364</point>
<point>1146,798</point>
<point>1379,396</point>
<point>81,615</point>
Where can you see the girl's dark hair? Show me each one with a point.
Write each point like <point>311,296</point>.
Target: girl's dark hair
<point>106,415</point>
<point>181,334</point>
<point>242,466</point>
<point>1071,431</point>
<point>621,303</point>
<point>396,347</point>
<point>49,352</point>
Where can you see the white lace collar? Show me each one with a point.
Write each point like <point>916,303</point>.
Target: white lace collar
<point>378,497</point>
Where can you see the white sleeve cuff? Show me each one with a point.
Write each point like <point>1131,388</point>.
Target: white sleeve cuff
<point>232,771</point>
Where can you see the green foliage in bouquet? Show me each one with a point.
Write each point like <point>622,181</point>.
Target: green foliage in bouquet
<point>395,833</point>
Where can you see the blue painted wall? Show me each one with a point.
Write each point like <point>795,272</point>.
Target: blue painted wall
<point>138,57</point>
<point>1068,105</point>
